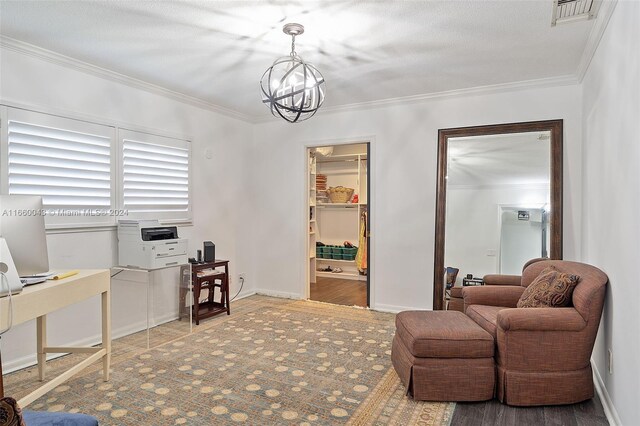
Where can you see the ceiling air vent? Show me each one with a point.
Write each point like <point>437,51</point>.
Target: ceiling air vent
<point>573,10</point>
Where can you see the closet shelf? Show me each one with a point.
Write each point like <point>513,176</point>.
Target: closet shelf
<point>335,260</point>
<point>339,204</point>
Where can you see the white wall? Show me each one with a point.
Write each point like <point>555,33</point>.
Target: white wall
<point>473,224</point>
<point>403,174</point>
<point>611,201</point>
<point>219,213</point>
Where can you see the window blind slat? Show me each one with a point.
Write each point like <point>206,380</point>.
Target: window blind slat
<point>61,182</point>
<point>164,164</point>
<point>74,202</point>
<point>150,155</point>
<point>58,172</point>
<point>38,160</point>
<point>69,169</point>
<point>147,201</point>
<point>66,135</point>
<point>152,186</point>
<point>60,190</point>
<point>137,178</point>
<point>154,148</point>
<point>154,171</point>
<point>49,142</point>
<point>58,153</point>
<point>155,193</point>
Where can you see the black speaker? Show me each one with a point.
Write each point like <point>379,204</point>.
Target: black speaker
<point>209,251</point>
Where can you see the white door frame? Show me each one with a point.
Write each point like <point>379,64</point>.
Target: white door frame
<point>371,201</point>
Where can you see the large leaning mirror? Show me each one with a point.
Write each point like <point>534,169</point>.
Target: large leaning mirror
<point>499,201</point>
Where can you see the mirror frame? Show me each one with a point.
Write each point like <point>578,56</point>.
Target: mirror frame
<point>555,222</point>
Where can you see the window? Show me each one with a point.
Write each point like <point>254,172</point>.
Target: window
<point>67,162</point>
<point>155,177</point>
<point>87,176</point>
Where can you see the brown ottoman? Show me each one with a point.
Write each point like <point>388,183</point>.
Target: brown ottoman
<point>443,356</point>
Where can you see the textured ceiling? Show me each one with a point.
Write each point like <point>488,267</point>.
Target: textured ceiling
<point>216,51</point>
<point>516,158</point>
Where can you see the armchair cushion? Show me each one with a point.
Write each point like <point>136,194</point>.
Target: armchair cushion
<point>541,319</point>
<point>497,279</point>
<point>485,316</point>
<point>551,288</point>
<point>506,296</point>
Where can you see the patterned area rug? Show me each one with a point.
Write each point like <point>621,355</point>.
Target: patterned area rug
<point>293,362</point>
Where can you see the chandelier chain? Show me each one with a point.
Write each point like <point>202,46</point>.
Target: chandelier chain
<point>293,46</point>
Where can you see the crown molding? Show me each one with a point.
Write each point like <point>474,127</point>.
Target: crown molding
<point>597,31</point>
<point>69,62</point>
<point>566,80</point>
<point>78,65</point>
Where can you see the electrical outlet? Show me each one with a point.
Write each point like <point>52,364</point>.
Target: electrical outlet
<point>242,276</point>
<point>610,361</point>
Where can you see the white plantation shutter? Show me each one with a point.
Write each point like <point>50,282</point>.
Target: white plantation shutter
<point>155,176</point>
<point>67,162</point>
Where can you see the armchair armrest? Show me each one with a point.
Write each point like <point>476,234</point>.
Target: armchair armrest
<point>541,319</point>
<point>496,279</point>
<point>504,295</point>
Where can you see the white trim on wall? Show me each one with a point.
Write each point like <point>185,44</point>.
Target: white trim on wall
<point>607,404</point>
<point>78,65</point>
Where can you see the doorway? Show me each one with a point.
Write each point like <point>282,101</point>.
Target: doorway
<point>338,214</point>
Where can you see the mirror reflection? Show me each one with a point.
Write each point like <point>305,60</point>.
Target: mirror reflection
<point>498,204</point>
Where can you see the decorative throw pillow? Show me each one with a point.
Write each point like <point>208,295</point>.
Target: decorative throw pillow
<point>550,289</point>
<point>10,413</point>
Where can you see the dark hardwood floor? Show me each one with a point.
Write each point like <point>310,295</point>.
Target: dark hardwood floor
<point>489,413</point>
<point>588,413</point>
<point>339,291</point>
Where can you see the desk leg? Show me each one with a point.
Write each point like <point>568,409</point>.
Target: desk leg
<point>226,287</point>
<point>149,278</point>
<point>106,334</point>
<point>190,296</point>
<point>41,332</point>
<point>1,380</point>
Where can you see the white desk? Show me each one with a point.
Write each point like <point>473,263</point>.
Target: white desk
<point>36,301</point>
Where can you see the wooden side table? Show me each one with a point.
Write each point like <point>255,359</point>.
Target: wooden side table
<point>207,276</point>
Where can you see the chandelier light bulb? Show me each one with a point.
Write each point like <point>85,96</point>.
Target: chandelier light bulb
<point>292,88</point>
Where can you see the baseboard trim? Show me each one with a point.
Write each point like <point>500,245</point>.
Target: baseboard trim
<point>395,309</point>
<point>607,404</point>
<point>31,360</point>
<point>281,294</point>
<point>244,295</point>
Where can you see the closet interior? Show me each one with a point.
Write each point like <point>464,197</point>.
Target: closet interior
<point>338,224</point>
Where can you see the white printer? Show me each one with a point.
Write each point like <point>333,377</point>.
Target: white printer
<point>146,244</point>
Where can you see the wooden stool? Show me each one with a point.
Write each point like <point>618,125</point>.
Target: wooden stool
<point>206,276</point>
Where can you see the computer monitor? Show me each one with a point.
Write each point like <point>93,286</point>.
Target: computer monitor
<point>22,226</point>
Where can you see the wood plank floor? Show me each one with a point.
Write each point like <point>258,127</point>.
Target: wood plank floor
<point>588,413</point>
<point>339,291</point>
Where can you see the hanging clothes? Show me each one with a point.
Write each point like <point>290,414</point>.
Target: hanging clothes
<point>361,256</point>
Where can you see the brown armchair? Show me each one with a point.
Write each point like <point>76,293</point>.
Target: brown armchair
<point>542,354</point>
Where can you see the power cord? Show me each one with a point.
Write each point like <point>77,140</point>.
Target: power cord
<point>119,272</point>
<point>3,279</point>
<point>241,285</point>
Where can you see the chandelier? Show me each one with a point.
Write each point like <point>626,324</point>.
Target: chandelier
<point>292,88</point>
